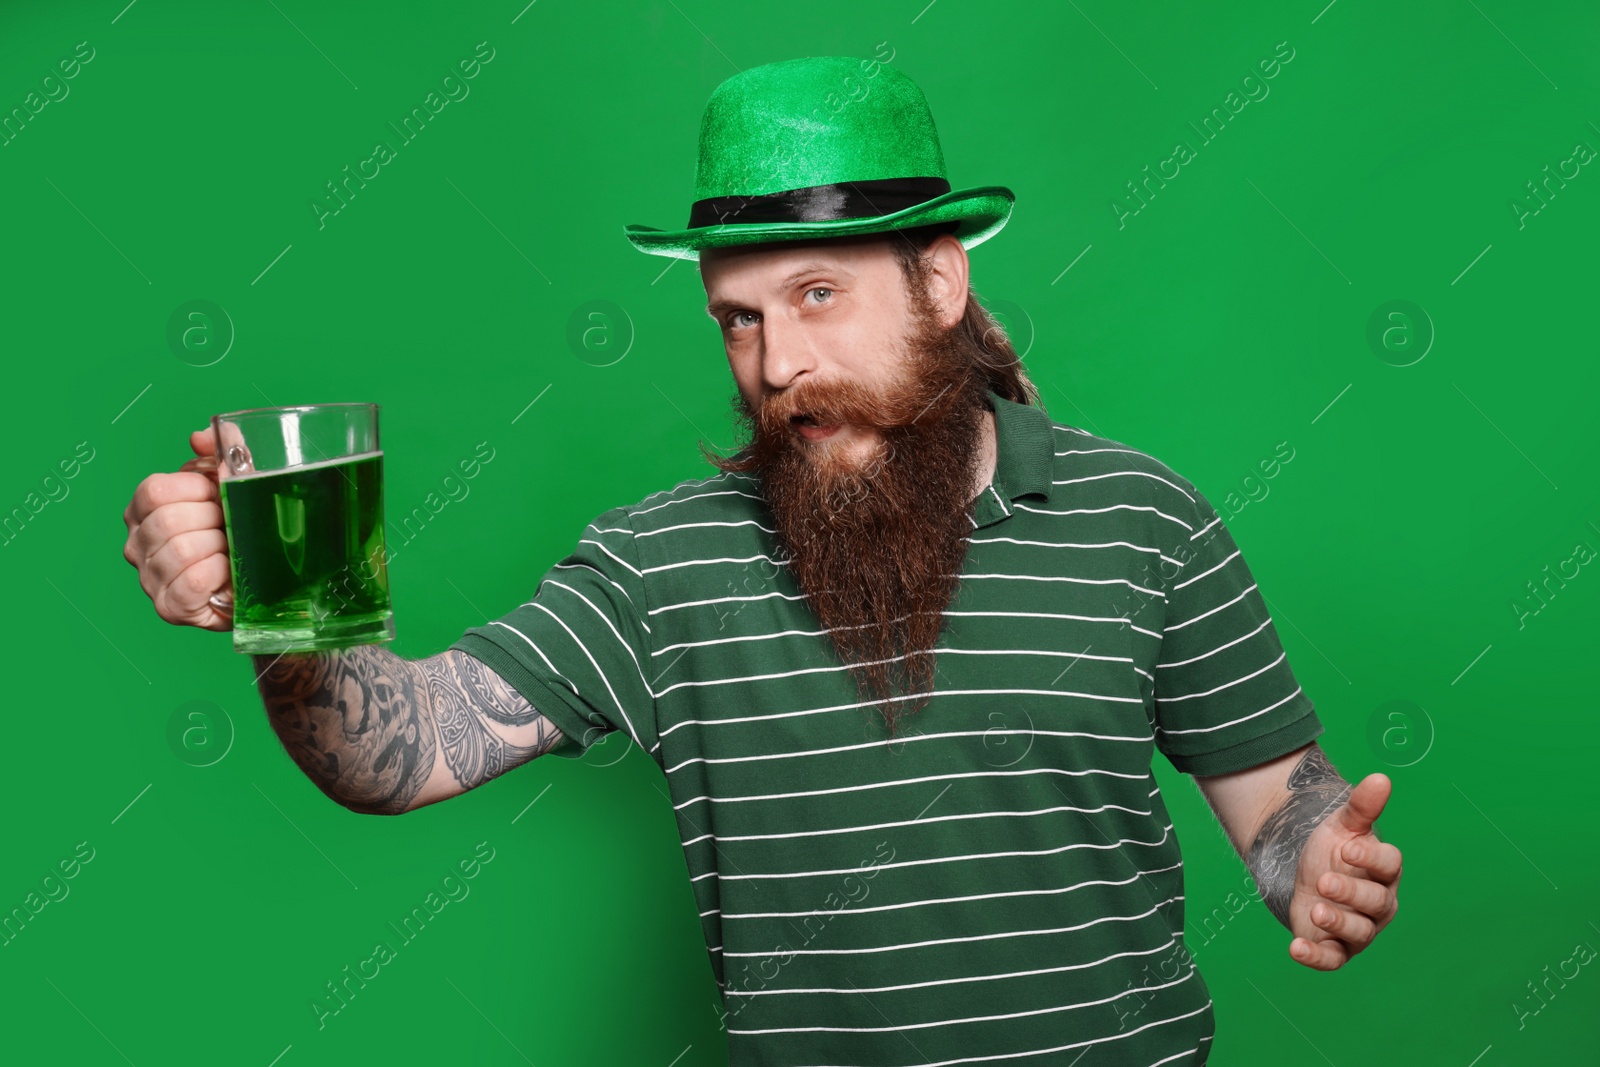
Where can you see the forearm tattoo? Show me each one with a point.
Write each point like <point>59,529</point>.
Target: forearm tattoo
<point>365,725</point>
<point>1315,791</point>
<point>351,719</point>
<point>465,696</point>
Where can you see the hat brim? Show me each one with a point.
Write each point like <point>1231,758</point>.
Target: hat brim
<point>982,212</point>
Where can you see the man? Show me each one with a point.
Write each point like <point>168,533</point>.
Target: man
<point>904,662</point>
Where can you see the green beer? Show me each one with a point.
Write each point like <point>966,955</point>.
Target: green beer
<point>307,550</point>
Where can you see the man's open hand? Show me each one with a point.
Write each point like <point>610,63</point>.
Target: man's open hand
<point>1346,886</point>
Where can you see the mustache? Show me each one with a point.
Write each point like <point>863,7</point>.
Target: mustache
<point>829,403</point>
<point>826,402</point>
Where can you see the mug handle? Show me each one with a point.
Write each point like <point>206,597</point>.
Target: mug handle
<point>208,465</point>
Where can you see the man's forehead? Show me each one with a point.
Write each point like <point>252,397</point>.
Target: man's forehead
<point>784,261</point>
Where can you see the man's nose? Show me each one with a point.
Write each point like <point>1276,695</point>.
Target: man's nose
<point>787,351</point>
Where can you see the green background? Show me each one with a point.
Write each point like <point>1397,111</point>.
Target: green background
<point>1229,314</point>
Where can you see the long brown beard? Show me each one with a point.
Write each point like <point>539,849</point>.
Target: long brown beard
<point>877,545</point>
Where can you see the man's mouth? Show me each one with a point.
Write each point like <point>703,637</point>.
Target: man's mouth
<point>809,428</point>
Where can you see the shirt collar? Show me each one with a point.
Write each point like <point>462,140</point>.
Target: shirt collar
<point>1024,460</point>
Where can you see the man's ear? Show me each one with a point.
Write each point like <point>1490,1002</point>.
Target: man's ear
<point>947,284</point>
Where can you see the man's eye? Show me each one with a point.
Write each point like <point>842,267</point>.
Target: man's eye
<point>734,319</point>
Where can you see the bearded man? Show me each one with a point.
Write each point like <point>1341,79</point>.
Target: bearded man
<point>870,454</point>
<point>904,661</point>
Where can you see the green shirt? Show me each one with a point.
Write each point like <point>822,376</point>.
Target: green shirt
<point>1001,882</point>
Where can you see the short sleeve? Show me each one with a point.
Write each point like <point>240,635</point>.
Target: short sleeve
<point>576,650</point>
<point>1225,696</point>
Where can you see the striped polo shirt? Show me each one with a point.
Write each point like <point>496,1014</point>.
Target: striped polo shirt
<point>999,883</point>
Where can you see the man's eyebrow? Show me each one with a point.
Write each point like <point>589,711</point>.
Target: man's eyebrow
<point>815,267</point>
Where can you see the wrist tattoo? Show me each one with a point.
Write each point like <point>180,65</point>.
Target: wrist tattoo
<point>1315,791</point>
<point>351,719</point>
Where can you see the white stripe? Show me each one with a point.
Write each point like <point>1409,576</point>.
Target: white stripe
<point>697,496</point>
<point>835,629</point>
<point>958,981</point>
<point>1206,527</point>
<point>1070,544</point>
<point>964,577</point>
<point>700,483</point>
<point>1233,722</point>
<point>1121,474</point>
<point>1016,615</point>
<point>607,551</point>
<point>745,637</point>
<point>1057,1048</point>
<point>1089,451</point>
<point>884,826</point>
<point>1203,573</point>
<point>1213,611</point>
<point>997,614</point>
<point>627,647</point>
<point>559,676</point>
<point>869,663</point>
<point>602,574</point>
<point>724,600</point>
<point>955,1022</point>
<point>907,740</point>
<point>768,677</point>
<point>697,525</point>
<point>1097,511</point>
<point>582,647</point>
<point>1065,544</point>
<point>1059,578</point>
<point>724,559</point>
<point>872,703</point>
<point>903,781</point>
<point>1224,685</point>
<point>1219,648</point>
<point>937,900</point>
<point>1175,1056</point>
<point>765,636</point>
<point>949,940</point>
<point>1057,615</point>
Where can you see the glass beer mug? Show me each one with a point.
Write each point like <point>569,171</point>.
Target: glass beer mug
<point>302,500</point>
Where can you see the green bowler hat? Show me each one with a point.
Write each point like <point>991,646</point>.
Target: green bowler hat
<point>826,146</point>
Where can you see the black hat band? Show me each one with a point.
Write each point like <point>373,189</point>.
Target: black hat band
<point>819,203</point>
